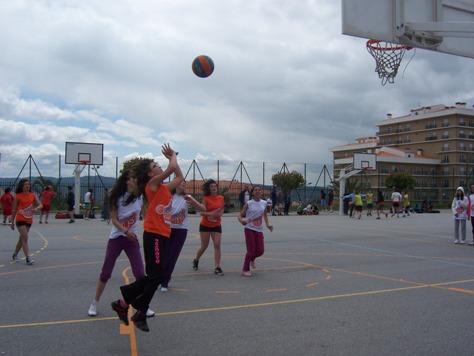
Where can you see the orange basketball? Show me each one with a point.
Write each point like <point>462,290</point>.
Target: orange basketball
<point>203,66</point>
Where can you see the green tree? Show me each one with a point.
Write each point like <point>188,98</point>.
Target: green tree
<point>400,181</point>
<point>288,181</point>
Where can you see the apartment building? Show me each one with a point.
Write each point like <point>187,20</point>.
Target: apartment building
<point>434,144</point>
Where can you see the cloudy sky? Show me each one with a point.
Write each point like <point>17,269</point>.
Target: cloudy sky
<point>287,84</point>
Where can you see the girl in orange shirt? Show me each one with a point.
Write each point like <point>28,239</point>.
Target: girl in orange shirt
<point>22,212</point>
<point>210,226</point>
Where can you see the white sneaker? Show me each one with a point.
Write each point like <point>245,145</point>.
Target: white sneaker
<point>92,309</point>
<point>462,242</point>
<point>456,241</point>
<point>150,313</point>
<point>163,289</point>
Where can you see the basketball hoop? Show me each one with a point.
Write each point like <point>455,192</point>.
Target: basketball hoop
<point>85,162</point>
<point>388,57</point>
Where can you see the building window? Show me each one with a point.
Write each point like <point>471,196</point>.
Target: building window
<point>394,169</point>
<point>446,134</point>
<point>462,170</point>
<point>461,134</point>
<point>383,169</point>
<point>445,159</point>
<point>462,159</point>
<point>445,147</point>
<point>445,123</point>
<point>462,146</point>
<point>462,122</point>
<point>407,127</point>
<point>407,139</point>
<point>446,183</point>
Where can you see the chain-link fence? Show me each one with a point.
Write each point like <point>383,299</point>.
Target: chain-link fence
<point>233,175</point>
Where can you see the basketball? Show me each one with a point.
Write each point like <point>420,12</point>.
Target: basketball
<point>203,66</point>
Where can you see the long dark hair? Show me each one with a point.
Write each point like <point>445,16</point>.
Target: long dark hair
<point>206,187</point>
<point>21,183</point>
<point>119,189</point>
<point>140,170</point>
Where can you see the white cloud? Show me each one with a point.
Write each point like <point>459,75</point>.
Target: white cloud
<point>287,84</point>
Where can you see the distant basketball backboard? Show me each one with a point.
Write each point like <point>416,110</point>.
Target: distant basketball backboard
<point>80,152</point>
<point>438,25</point>
<point>366,161</point>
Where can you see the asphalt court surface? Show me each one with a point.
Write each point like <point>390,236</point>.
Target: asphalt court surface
<point>326,285</point>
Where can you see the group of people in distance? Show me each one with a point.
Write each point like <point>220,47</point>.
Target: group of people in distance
<point>400,203</point>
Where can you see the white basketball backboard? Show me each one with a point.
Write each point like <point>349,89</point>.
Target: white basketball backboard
<point>80,152</point>
<point>438,25</point>
<point>366,161</point>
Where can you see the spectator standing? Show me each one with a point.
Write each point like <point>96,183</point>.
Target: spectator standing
<point>46,196</point>
<point>330,200</point>
<point>460,208</point>
<point>323,200</point>
<point>7,204</point>
<point>274,200</point>
<point>471,212</point>
<point>70,200</point>
<point>88,203</point>
<point>105,215</point>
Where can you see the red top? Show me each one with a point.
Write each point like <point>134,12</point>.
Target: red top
<point>7,203</point>
<point>24,208</point>
<point>46,197</point>
<point>158,215</point>
<point>212,203</point>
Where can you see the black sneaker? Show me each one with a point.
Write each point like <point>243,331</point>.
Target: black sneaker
<point>219,271</point>
<point>29,261</point>
<point>15,257</point>
<point>195,264</point>
<point>121,312</point>
<point>139,319</point>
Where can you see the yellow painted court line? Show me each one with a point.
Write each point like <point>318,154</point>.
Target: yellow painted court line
<point>227,292</point>
<point>312,284</point>
<point>256,305</point>
<point>130,329</point>
<point>276,290</point>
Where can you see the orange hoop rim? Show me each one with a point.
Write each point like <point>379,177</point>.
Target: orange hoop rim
<point>395,47</point>
<point>85,162</point>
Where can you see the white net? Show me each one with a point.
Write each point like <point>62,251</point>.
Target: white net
<point>388,57</point>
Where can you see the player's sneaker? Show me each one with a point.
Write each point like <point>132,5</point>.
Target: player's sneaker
<point>195,264</point>
<point>150,313</point>
<point>29,261</point>
<point>121,311</point>
<point>139,319</point>
<point>456,241</point>
<point>253,264</point>
<point>15,257</point>
<point>246,274</point>
<point>218,271</point>
<point>92,309</point>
